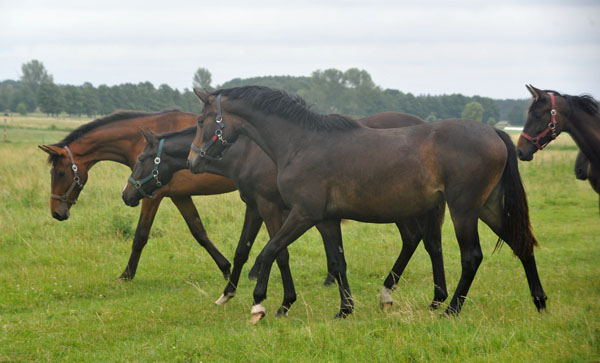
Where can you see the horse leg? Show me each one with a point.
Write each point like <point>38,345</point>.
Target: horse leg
<point>252,223</point>
<point>336,263</point>
<point>465,228</point>
<point>293,227</point>
<point>147,213</point>
<point>433,245</point>
<point>190,214</point>
<point>492,216</point>
<point>411,236</point>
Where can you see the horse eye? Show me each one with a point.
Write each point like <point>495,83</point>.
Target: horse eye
<point>61,173</point>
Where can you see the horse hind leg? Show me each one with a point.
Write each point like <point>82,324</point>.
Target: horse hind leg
<point>465,228</point>
<point>493,215</point>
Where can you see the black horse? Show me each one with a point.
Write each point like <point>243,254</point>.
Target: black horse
<point>331,167</point>
<point>255,175</point>
<point>585,171</point>
<point>551,113</point>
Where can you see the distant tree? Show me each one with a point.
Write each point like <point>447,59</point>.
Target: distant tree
<point>73,100</point>
<point>34,74</point>
<point>91,103</point>
<point>202,79</point>
<point>473,111</point>
<point>491,121</point>
<point>22,109</point>
<point>50,98</point>
<point>516,115</point>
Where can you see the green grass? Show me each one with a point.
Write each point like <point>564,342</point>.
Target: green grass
<point>60,299</point>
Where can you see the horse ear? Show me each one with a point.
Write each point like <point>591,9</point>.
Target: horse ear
<point>51,149</point>
<point>150,136</point>
<point>535,93</point>
<point>203,96</point>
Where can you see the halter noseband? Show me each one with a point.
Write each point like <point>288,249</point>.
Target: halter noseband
<point>153,174</point>
<point>550,129</point>
<point>217,136</point>
<point>76,183</point>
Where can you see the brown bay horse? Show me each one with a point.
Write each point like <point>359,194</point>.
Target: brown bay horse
<point>551,113</point>
<point>331,167</point>
<point>255,175</point>
<point>117,138</point>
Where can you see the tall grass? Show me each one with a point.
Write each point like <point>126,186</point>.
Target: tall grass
<point>60,298</point>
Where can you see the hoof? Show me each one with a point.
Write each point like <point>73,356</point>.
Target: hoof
<point>540,303</point>
<point>282,312</point>
<point>342,314</point>
<point>329,281</point>
<point>126,276</point>
<point>386,299</point>
<point>224,298</point>
<point>386,306</point>
<point>258,312</point>
<point>435,305</point>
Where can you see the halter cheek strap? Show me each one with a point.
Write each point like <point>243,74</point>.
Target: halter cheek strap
<point>153,174</point>
<point>76,182</point>
<point>550,129</point>
<point>217,136</point>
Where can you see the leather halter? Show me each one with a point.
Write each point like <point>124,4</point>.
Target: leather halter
<point>153,174</point>
<point>550,129</point>
<point>202,153</point>
<point>76,183</point>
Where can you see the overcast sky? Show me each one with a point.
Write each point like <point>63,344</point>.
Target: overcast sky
<point>490,48</point>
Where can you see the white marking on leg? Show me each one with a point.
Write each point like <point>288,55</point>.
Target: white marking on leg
<point>386,297</point>
<point>224,298</point>
<point>258,312</point>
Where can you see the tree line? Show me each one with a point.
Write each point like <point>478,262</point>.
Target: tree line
<point>351,92</point>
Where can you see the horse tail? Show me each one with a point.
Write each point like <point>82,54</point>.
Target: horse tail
<point>516,226</point>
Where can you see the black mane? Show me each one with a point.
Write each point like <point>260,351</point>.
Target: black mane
<point>280,103</point>
<point>585,102</point>
<point>182,132</point>
<point>113,117</point>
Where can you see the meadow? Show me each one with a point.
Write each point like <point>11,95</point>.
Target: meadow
<point>60,299</point>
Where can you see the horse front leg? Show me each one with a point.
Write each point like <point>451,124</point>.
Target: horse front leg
<point>186,207</point>
<point>294,226</point>
<point>252,223</point>
<point>147,213</point>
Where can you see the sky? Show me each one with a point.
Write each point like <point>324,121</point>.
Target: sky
<point>487,48</point>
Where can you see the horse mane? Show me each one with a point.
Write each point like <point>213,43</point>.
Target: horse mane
<point>182,132</point>
<point>276,102</point>
<point>113,117</point>
<point>585,102</point>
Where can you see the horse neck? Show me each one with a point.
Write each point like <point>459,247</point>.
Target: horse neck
<point>176,149</point>
<point>279,138</point>
<point>585,130</point>
<point>117,144</point>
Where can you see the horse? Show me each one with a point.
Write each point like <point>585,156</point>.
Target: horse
<point>551,113</point>
<point>116,137</point>
<point>331,167</point>
<point>584,170</point>
<point>255,176</point>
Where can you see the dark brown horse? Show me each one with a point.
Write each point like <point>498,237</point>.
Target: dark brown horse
<point>585,171</point>
<point>255,175</point>
<point>331,167</point>
<point>551,113</point>
<point>117,138</point>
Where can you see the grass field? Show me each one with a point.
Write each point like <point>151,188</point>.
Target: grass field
<point>60,299</point>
